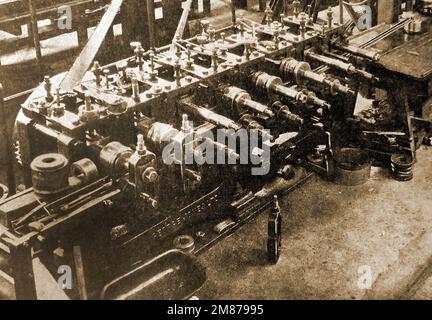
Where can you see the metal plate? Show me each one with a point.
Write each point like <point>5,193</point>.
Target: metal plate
<point>412,58</point>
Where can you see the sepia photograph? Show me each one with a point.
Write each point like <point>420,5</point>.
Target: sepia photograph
<point>231,151</point>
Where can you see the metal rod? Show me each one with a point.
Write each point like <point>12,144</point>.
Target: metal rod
<point>151,22</point>
<point>341,11</point>
<point>233,13</point>
<point>317,4</point>
<point>35,34</point>
<point>182,24</point>
<point>80,275</point>
<point>86,57</point>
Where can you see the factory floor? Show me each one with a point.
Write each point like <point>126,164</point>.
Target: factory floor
<point>334,237</point>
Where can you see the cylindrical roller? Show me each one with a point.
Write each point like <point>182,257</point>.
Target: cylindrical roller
<point>302,71</point>
<point>229,152</point>
<point>274,84</point>
<point>255,106</point>
<point>250,123</point>
<point>85,170</point>
<point>114,157</point>
<point>49,173</point>
<point>361,52</point>
<point>283,112</point>
<point>241,99</point>
<point>347,67</point>
<point>210,116</point>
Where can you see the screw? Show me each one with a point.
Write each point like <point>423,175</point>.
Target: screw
<point>87,101</point>
<point>222,37</point>
<point>48,86</point>
<point>135,88</point>
<point>186,128</point>
<point>215,59</point>
<point>269,15</point>
<point>177,72</point>
<point>97,72</point>
<point>329,16</point>
<point>106,73</point>
<point>140,148</point>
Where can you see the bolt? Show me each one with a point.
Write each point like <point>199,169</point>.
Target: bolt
<point>281,17</point>
<point>58,96</point>
<point>135,88</point>
<point>48,86</point>
<point>97,71</point>
<point>296,5</point>
<point>87,101</point>
<point>178,52</point>
<point>106,73</point>
<point>177,72</point>
<point>186,128</point>
<point>189,51</point>
<point>222,37</point>
<point>302,25</point>
<point>151,55</point>
<point>241,30</point>
<point>212,34</point>
<point>140,147</point>
<point>329,17</point>
<point>189,61</point>
<point>157,90</point>
<point>204,25</point>
<point>269,15</point>
<point>135,44</point>
<point>276,38</point>
<point>139,53</point>
<point>247,50</point>
<point>153,72</point>
<point>214,59</point>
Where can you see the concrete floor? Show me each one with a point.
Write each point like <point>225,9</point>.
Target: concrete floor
<point>332,235</point>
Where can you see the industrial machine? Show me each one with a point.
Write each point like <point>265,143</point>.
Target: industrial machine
<point>180,145</point>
